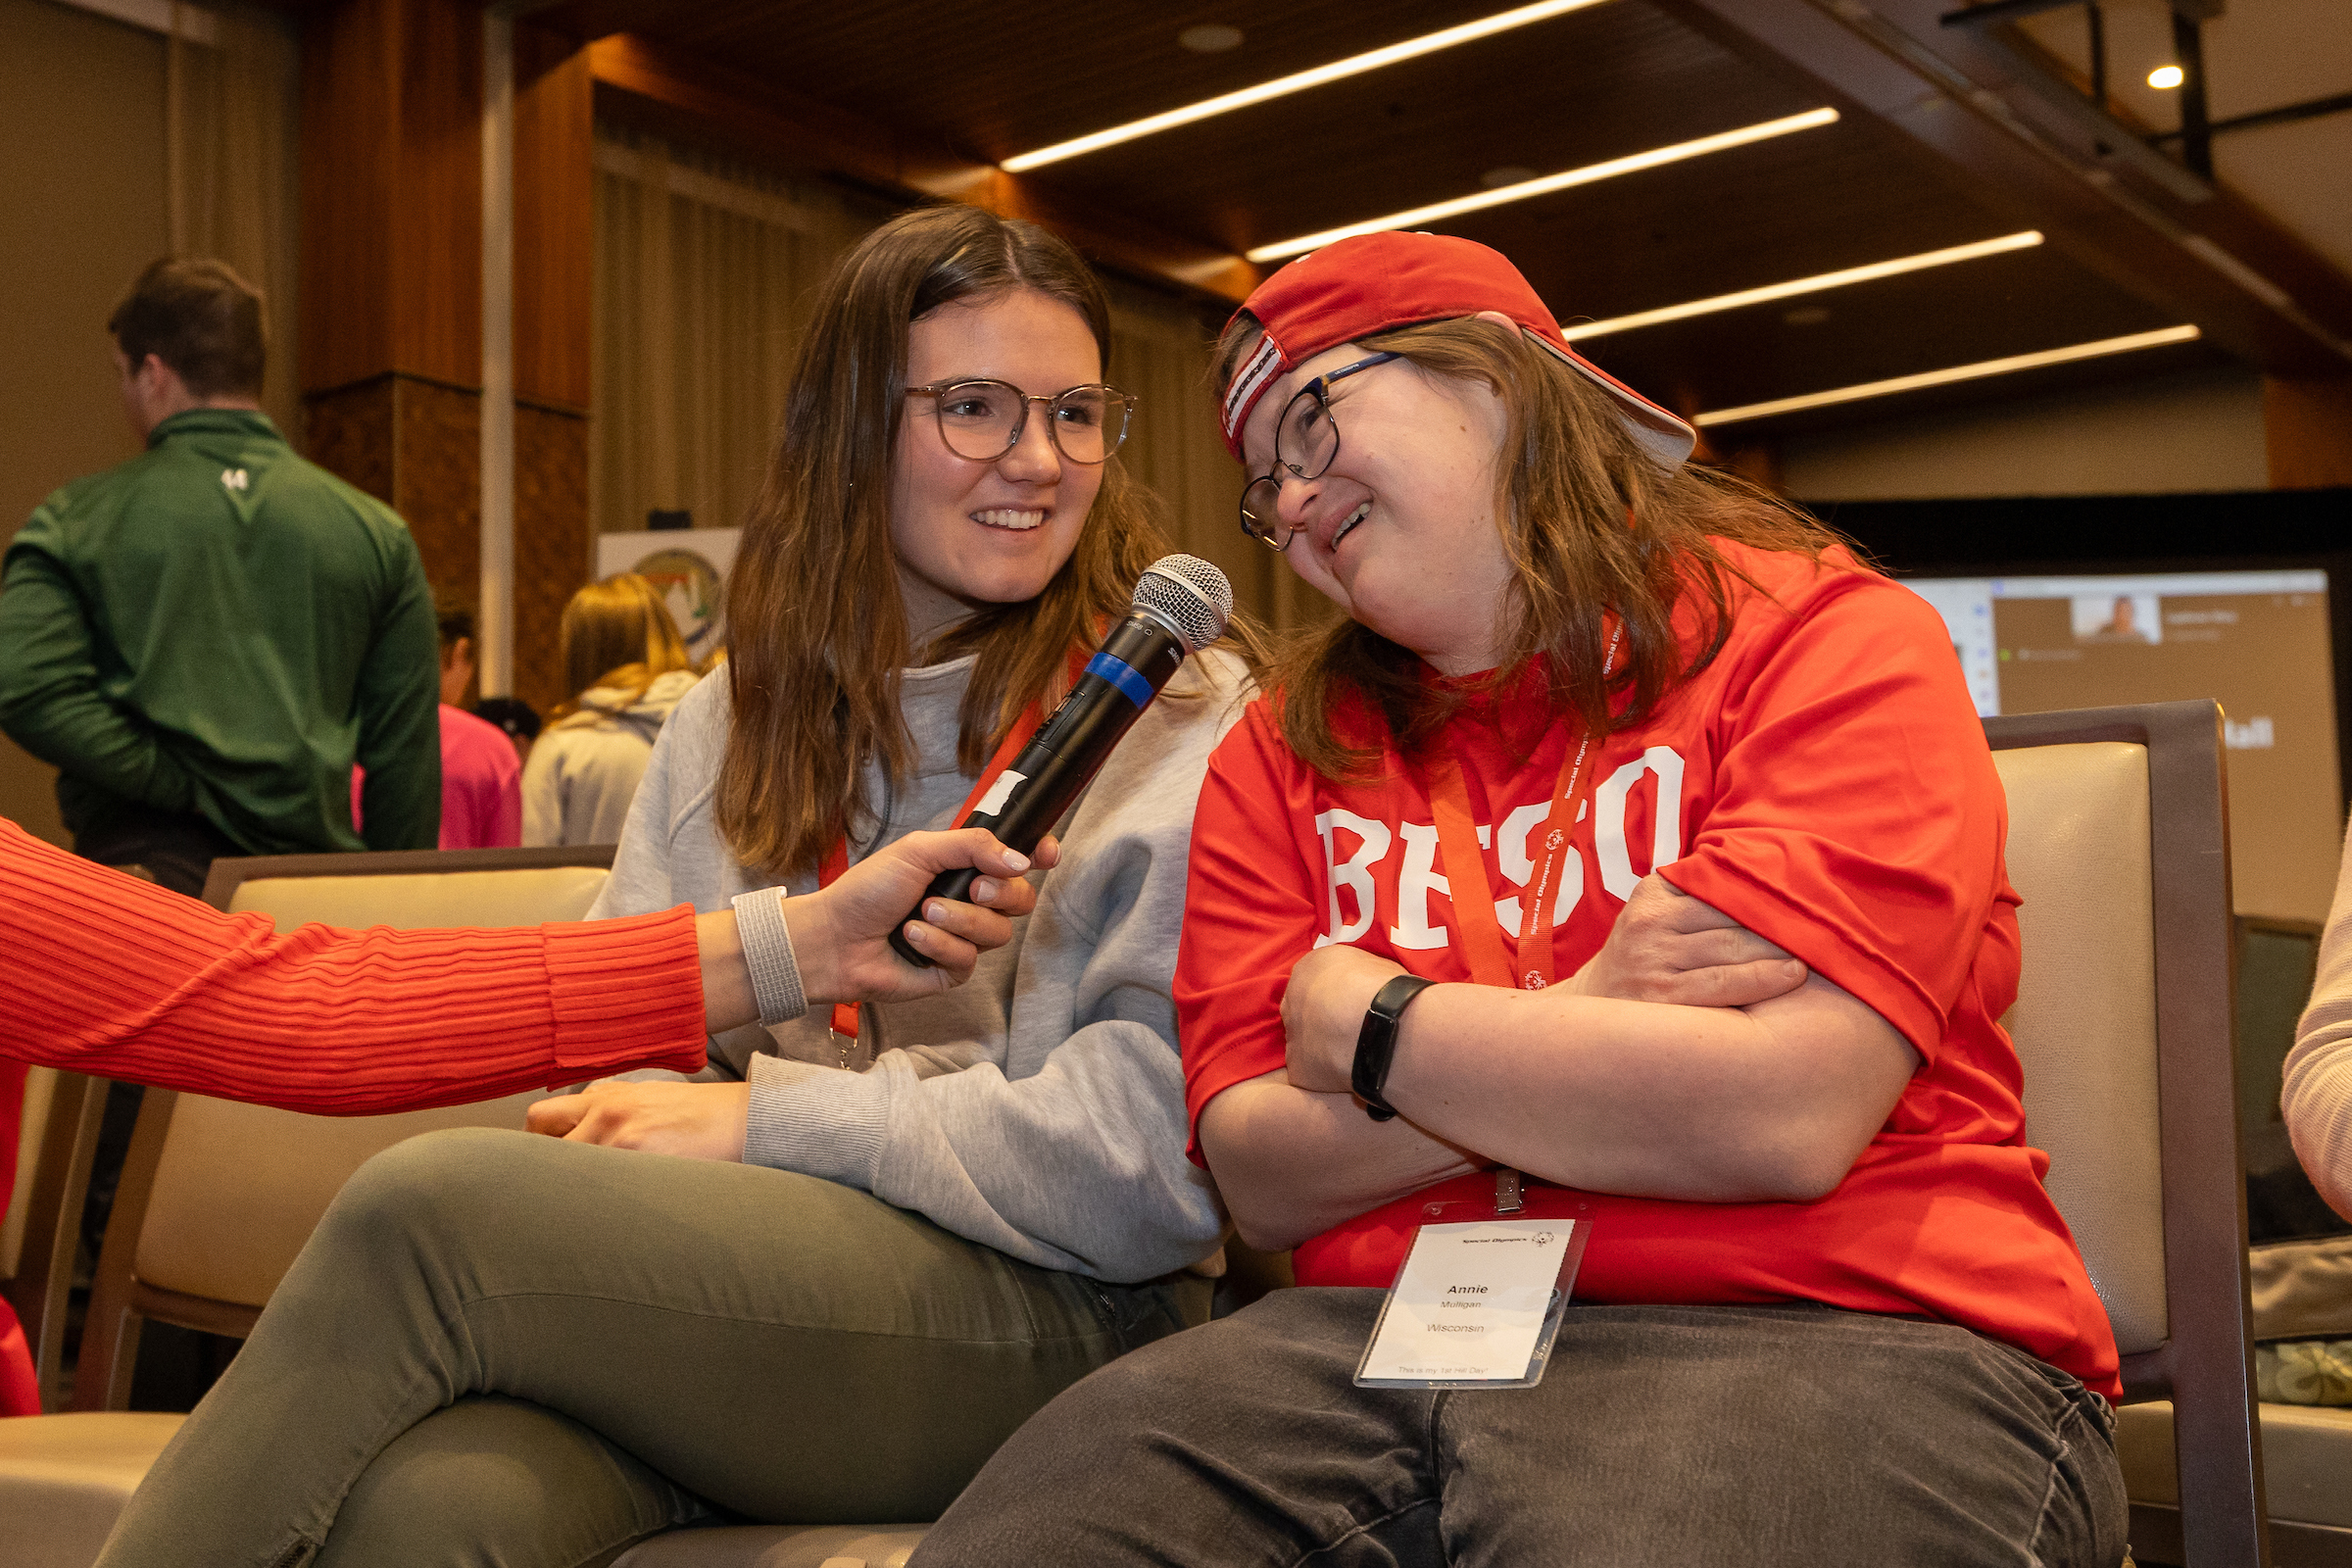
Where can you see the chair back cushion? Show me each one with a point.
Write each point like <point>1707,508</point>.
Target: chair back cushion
<point>239,1188</point>
<point>2085,1022</point>
<point>426,898</point>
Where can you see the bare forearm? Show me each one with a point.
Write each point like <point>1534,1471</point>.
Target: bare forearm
<point>727,999</point>
<point>1701,1103</point>
<point>1293,1164</point>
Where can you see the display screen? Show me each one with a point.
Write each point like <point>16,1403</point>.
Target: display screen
<point>2256,642</point>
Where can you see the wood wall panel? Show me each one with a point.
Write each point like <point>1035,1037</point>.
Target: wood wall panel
<point>553,232</point>
<point>392,192</point>
<point>2307,426</point>
<point>416,446</point>
<point>437,481</point>
<point>348,433</point>
<point>552,543</point>
<point>349,85</point>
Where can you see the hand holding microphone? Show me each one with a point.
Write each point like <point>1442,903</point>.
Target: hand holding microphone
<point>1180,607</point>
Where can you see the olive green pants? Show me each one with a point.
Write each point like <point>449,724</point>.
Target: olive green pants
<point>505,1349</point>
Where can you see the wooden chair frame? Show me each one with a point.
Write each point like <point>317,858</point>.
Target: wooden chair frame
<point>2206,1364</point>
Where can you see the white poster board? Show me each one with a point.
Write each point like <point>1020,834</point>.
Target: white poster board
<point>688,567</point>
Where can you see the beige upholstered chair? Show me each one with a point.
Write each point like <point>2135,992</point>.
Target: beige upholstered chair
<point>2119,845</point>
<point>217,1198</point>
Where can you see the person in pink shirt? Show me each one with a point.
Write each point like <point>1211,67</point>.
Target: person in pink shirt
<point>481,779</point>
<point>482,776</point>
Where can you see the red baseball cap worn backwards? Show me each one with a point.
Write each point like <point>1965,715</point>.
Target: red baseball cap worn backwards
<point>1375,283</point>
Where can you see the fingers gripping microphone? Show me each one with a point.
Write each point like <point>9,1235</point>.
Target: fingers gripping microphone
<point>1180,607</point>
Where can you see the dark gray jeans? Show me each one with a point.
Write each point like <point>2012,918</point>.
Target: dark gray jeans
<point>1659,1435</point>
<point>501,1349</point>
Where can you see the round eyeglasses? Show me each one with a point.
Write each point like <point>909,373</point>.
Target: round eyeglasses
<point>1305,441</point>
<point>983,419</point>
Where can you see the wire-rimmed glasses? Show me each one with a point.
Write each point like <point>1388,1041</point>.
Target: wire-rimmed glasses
<point>1305,441</point>
<point>983,419</point>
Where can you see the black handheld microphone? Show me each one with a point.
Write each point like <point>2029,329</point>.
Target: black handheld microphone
<point>1180,607</point>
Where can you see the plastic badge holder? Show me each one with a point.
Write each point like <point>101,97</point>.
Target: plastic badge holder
<point>1458,1217</point>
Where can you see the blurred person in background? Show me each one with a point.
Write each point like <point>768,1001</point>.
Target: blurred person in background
<point>628,667</point>
<point>204,640</point>
<point>516,719</point>
<point>481,774</point>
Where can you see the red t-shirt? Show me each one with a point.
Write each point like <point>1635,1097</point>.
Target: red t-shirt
<point>1825,783</point>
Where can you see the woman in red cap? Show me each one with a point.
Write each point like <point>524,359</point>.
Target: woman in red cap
<point>1592,715</point>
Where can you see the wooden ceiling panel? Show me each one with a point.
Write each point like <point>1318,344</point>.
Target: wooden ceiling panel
<point>1008,80</point>
<point>1618,77</point>
<point>1793,208</point>
<point>2024,387</point>
<point>1563,94</point>
<point>2019,303</point>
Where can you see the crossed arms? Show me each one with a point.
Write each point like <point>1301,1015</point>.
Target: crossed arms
<point>1689,1059</point>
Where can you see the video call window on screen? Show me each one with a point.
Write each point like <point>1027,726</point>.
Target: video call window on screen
<point>2256,642</point>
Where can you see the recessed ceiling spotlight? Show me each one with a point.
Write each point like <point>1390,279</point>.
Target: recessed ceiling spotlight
<point>1210,38</point>
<point>1298,81</point>
<point>1806,316</point>
<point>2166,78</point>
<point>1507,174</point>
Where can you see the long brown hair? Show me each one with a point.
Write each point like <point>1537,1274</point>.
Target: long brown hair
<point>618,633</point>
<point>817,624</point>
<point>1592,526</point>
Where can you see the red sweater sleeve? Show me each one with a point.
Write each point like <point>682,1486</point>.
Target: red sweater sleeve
<point>108,975</point>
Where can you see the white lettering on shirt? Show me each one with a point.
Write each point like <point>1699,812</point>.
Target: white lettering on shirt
<point>1414,884</point>
<point>1355,873</point>
<point>1617,873</point>
<point>1417,929</point>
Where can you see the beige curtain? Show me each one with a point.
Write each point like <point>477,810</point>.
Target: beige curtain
<point>232,98</point>
<point>702,277</point>
<point>1159,350</point>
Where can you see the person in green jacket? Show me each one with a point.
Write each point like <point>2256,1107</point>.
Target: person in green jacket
<point>205,639</point>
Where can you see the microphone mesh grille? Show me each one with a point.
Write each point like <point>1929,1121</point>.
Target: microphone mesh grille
<point>1189,595</point>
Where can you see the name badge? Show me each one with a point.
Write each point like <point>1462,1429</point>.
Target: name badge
<point>1476,1305</point>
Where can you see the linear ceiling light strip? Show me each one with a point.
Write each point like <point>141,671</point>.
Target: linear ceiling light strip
<point>1805,285</point>
<point>1439,212</point>
<point>1299,81</point>
<point>1958,373</point>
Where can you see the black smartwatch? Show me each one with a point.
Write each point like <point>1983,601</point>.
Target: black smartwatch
<point>1376,1042</point>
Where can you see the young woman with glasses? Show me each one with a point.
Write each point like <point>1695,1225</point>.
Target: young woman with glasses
<point>1593,717</point>
<point>902,1228</point>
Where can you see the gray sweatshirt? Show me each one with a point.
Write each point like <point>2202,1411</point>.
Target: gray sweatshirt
<point>1038,1108</point>
<point>583,771</point>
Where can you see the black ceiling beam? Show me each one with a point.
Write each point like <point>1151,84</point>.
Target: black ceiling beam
<point>1963,98</point>
<point>2001,11</point>
<point>2285,114</point>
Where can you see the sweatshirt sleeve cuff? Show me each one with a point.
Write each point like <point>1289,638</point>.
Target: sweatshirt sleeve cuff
<point>767,954</point>
<point>624,993</point>
<point>819,1121</point>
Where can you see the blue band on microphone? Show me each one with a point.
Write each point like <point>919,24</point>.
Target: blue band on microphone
<point>1121,674</point>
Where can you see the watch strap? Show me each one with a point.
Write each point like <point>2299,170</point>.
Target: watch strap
<point>1376,1042</point>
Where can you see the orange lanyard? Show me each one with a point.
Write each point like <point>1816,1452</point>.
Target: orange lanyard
<point>837,859</point>
<point>1466,868</point>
